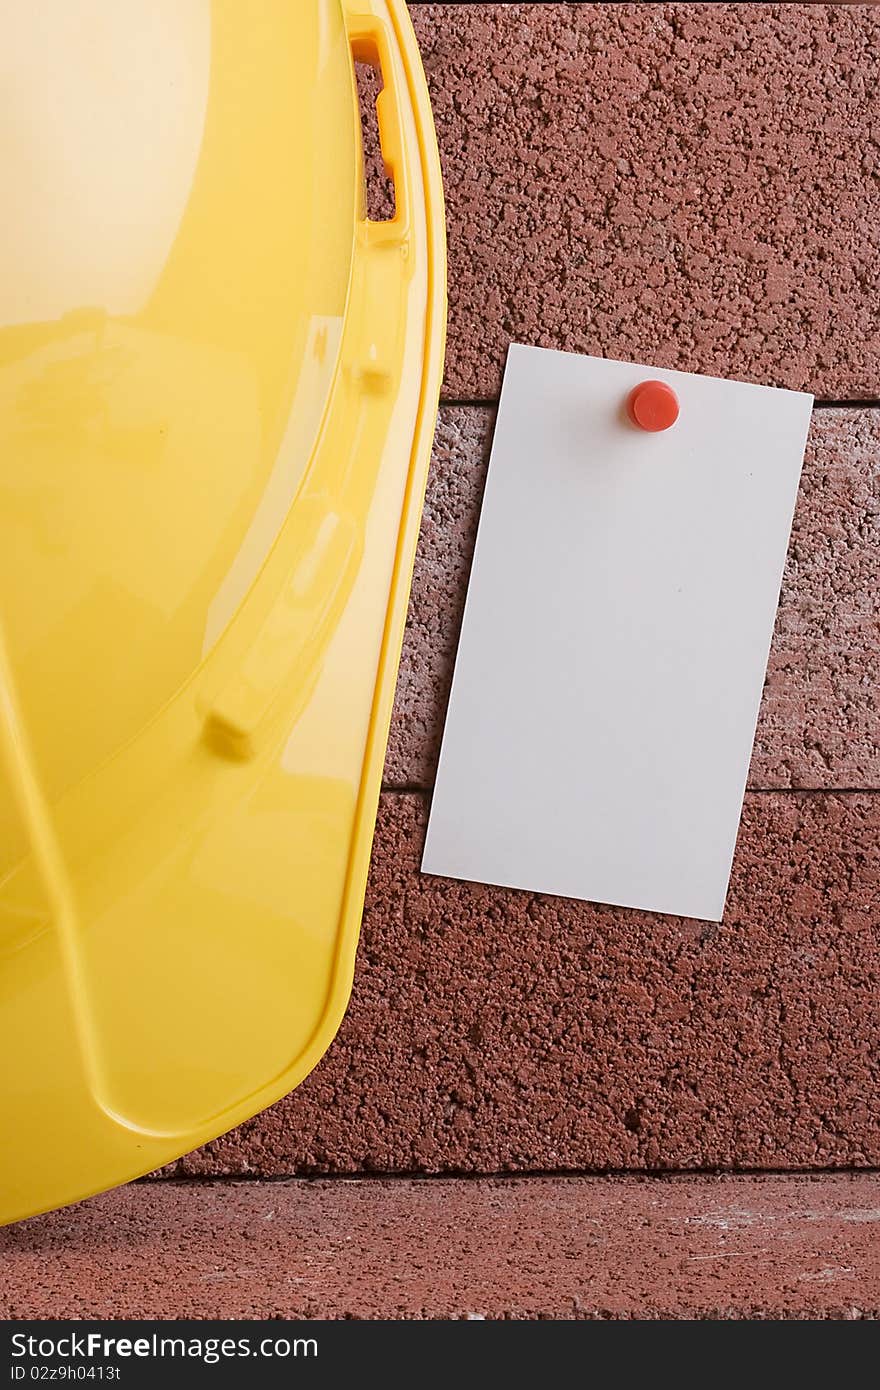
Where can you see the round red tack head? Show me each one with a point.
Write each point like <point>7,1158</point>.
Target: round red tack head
<point>653,405</point>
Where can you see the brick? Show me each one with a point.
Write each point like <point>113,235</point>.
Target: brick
<point>492,1030</point>
<point>820,719</point>
<point>819,724</point>
<point>439,587</point>
<point>691,185</point>
<point>560,1248</point>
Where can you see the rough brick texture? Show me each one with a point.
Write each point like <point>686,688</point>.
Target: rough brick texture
<point>492,1030</point>
<point>696,186</point>
<point>772,1247</point>
<point>576,1248</point>
<point>820,717</point>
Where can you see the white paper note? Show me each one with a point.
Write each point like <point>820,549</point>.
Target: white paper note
<point>615,638</point>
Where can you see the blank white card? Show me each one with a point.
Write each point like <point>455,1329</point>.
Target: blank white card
<point>616,634</point>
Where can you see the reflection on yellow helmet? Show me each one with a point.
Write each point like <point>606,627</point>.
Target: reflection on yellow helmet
<point>218,382</point>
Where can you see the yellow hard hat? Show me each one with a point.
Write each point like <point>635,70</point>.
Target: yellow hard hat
<point>218,383</point>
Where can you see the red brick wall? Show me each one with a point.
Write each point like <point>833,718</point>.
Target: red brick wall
<point>696,186</point>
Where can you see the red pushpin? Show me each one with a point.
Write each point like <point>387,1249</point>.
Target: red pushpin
<point>653,405</point>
